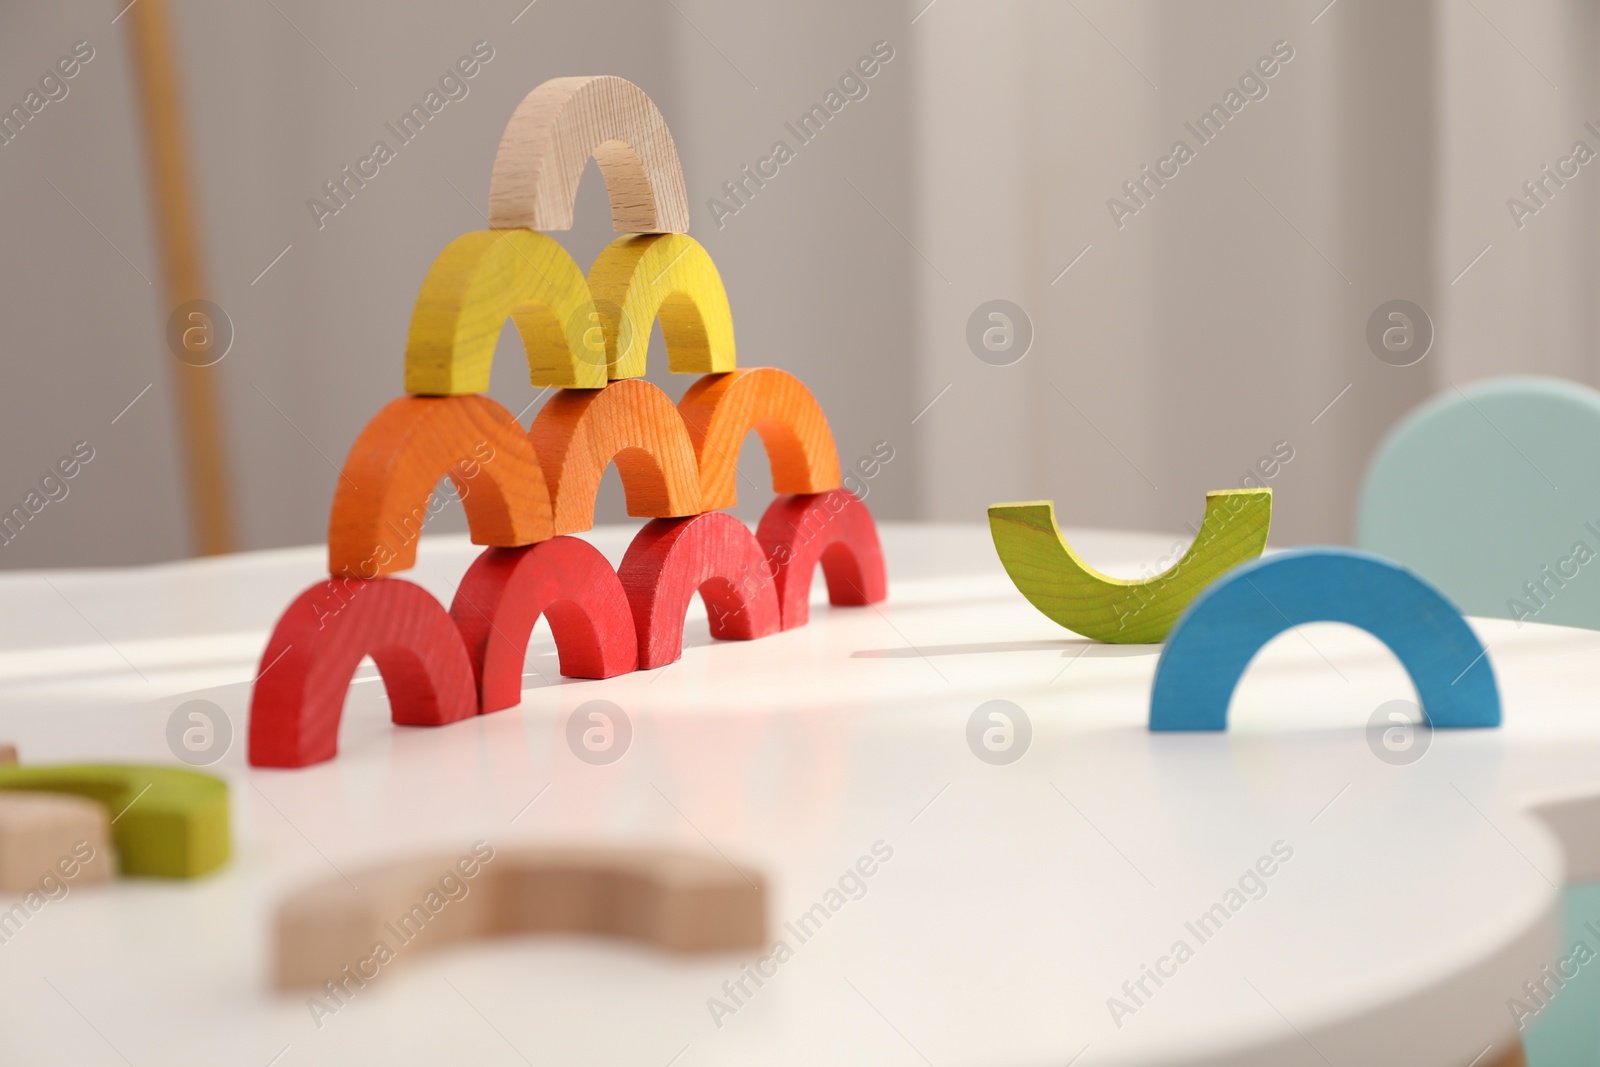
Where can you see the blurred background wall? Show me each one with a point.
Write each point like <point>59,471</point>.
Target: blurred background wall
<point>1174,347</point>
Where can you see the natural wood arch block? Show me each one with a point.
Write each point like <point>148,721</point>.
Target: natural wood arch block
<point>720,409</point>
<point>165,822</point>
<point>549,140</point>
<point>1234,618</point>
<point>579,432</point>
<point>834,529</point>
<point>382,496</point>
<point>8,755</point>
<point>667,276</point>
<point>1057,581</point>
<point>678,901</point>
<point>320,640</point>
<point>476,283</point>
<point>52,834</point>
<point>713,554</point>
<point>567,581</point>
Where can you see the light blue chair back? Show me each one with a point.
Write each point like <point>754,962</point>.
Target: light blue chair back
<point>1492,493</point>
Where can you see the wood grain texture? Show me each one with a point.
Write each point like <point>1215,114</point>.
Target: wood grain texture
<point>567,581</point>
<point>639,278</point>
<point>389,477</point>
<point>713,554</point>
<point>176,212</point>
<point>480,280</point>
<point>549,140</point>
<point>720,409</point>
<point>320,640</point>
<point>165,822</point>
<point>835,529</point>
<point>52,834</point>
<point>1057,581</point>
<point>682,902</point>
<point>579,432</point>
<point>1234,618</point>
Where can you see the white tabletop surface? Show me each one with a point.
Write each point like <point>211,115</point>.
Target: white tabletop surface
<point>1018,900</point>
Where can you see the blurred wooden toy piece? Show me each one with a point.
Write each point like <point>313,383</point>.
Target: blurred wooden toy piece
<point>721,409</point>
<point>834,529</point>
<point>52,834</point>
<point>549,140</point>
<point>1057,581</point>
<point>579,432</point>
<point>165,822</point>
<point>8,755</point>
<point>678,901</point>
<point>713,554</point>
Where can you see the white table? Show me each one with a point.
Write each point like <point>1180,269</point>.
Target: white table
<point>1018,900</point>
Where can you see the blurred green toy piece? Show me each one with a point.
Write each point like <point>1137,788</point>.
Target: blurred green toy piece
<point>1121,611</point>
<point>165,822</point>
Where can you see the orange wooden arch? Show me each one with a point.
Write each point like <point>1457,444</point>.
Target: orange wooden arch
<point>720,409</point>
<point>383,495</point>
<point>579,432</point>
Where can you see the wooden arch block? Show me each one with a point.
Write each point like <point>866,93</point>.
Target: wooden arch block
<point>549,140</point>
<point>567,581</point>
<point>320,640</point>
<point>476,283</point>
<point>713,554</point>
<point>165,822</point>
<point>640,278</point>
<point>579,432</point>
<point>720,409</point>
<point>681,902</point>
<point>383,494</point>
<point>52,834</point>
<point>834,529</point>
<point>1234,618</point>
<point>1057,581</point>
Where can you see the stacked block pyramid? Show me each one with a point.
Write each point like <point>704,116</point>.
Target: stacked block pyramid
<point>525,492</point>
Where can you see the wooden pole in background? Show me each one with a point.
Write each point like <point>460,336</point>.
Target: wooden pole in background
<point>183,274</point>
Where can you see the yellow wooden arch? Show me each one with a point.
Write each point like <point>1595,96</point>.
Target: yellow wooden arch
<point>480,280</point>
<point>669,276</point>
<point>578,332</point>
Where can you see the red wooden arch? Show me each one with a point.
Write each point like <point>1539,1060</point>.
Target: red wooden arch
<point>567,581</point>
<point>320,640</point>
<point>713,554</point>
<point>834,529</point>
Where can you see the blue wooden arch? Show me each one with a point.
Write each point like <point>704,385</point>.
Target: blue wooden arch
<point>1223,629</point>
